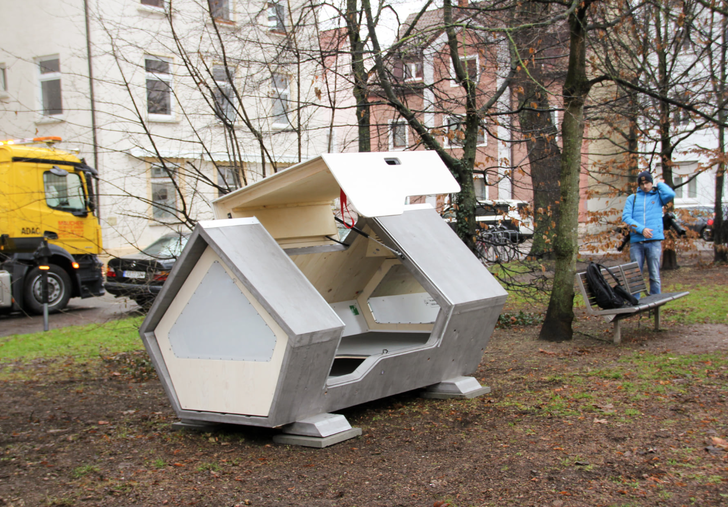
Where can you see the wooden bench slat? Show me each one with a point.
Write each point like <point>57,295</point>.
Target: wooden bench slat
<point>631,278</point>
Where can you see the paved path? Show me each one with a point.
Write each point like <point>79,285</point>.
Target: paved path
<point>78,312</point>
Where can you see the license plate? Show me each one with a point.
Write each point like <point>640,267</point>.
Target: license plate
<point>137,275</point>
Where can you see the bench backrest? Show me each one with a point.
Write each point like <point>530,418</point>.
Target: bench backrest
<point>629,276</point>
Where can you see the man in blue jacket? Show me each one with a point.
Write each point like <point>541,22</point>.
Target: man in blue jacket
<point>643,214</point>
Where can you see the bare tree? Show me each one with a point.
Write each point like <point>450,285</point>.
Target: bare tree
<point>215,98</point>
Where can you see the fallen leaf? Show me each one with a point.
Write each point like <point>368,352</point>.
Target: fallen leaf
<point>607,408</point>
<point>600,421</point>
<point>719,442</point>
<point>548,353</point>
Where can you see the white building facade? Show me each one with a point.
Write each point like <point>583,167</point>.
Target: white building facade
<point>174,106</point>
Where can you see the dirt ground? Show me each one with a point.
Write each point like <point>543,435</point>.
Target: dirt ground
<point>568,424</point>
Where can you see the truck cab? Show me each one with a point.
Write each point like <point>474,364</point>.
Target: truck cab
<point>48,193</point>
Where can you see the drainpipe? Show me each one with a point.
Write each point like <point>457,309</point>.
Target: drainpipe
<point>93,102</point>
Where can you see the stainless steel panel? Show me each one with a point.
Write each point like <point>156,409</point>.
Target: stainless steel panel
<point>440,255</point>
<point>273,278</point>
<point>404,309</point>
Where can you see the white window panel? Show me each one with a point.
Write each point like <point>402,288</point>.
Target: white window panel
<point>3,79</point>
<point>413,71</point>
<point>164,192</point>
<point>277,17</point>
<point>472,67</point>
<point>398,135</point>
<point>454,127</point>
<point>223,93</point>
<point>159,87</point>
<point>220,9</point>
<point>50,86</point>
<point>480,188</point>
<point>280,100</point>
<point>228,178</point>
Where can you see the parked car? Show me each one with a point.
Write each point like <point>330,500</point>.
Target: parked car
<point>695,218</point>
<point>141,276</point>
<point>709,226</point>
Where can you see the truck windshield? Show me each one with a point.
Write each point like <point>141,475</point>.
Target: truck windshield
<point>64,192</point>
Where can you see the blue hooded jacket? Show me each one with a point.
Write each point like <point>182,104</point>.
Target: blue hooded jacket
<point>644,210</point>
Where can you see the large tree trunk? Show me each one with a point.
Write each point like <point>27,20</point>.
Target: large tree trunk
<point>538,130</point>
<point>560,312</point>
<point>545,166</point>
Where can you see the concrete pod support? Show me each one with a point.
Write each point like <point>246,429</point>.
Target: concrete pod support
<point>267,320</point>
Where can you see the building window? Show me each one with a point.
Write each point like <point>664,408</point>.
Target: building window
<point>398,135</point>
<point>472,67</point>
<point>281,94</point>
<point>277,17</point>
<point>480,188</point>
<point>164,192</point>
<point>683,191</point>
<point>220,9</point>
<point>223,93</point>
<point>50,86</point>
<point>454,127</point>
<point>681,116</point>
<point>159,86</point>
<point>228,179</point>
<point>153,3</point>
<point>3,79</point>
<point>555,122</point>
<point>413,71</point>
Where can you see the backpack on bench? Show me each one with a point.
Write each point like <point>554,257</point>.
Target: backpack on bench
<point>607,297</point>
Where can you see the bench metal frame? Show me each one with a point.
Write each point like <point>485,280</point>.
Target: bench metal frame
<point>630,276</point>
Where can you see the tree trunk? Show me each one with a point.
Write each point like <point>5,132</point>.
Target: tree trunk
<point>465,204</point>
<point>720,228</point>
<point>544,163</point>
<point>537,129</point>
<point>361,94</point>
<point>560,312</point>
<point>669,254</point>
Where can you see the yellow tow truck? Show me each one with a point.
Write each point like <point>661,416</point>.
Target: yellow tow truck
<point>47,193</point>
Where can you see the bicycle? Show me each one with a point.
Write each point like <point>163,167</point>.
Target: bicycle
<point>496,245</point>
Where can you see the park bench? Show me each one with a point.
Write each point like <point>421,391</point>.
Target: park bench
<point>631,278</point>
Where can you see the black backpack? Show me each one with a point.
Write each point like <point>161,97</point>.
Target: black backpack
<point>607,297</point>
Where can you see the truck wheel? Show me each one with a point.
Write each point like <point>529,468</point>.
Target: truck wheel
<point>59,290</point>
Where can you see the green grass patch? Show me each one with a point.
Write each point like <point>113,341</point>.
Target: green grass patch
<point>84,470</point>
<point>212,467</point>
<point>706,304</point>
<point>668,366</point>
<point>80,342</point>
